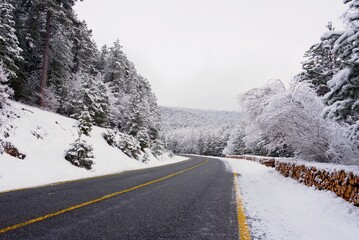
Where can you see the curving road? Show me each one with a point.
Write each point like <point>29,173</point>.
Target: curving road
<point>193,199</point>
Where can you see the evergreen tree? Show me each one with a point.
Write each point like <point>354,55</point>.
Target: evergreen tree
<point>90,92</point>
<point>85,121</point>
<point>343,97</point>
<point>102,59</point>
<point>114,75</point>
<point>10,52</point>
<point>5,90</point>
<point>59,17</point>
<point>320,64</point>
<point>84,50</point>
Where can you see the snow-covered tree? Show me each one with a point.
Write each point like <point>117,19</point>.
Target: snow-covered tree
<point>292,118</point>
<point>87,91</point>
<point>126,143</point>
<point>236,144</point>
<point>85,121</point>
<point>197,131</point>
<point>5,91</point>
<point>80,154</point>
<point>143,138</point>
<point>343,96</point>
<point>320,64</point>
<point>10,52</point>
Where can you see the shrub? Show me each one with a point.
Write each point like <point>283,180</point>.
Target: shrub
<point>80,154</point>
<point>126,143</point>
<point>158,148</point>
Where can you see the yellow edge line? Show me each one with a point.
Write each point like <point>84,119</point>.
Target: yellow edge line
<point>38,219</point>
<point>243,229</point>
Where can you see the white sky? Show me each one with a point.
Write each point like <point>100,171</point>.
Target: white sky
<point>202,53</point>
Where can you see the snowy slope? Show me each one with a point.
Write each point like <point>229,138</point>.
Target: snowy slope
<point>44,137</point>
<point>281,208</point>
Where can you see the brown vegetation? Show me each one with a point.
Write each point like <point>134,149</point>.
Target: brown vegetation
<point>12,150</point>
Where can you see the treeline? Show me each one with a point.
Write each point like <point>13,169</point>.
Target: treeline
<point>51,61</point>
<point>202,132</point>
<point>317,117</point>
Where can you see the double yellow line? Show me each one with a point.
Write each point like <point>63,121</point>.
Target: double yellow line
<point>38,219</point>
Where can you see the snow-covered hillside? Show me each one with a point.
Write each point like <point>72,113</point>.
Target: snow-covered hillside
<point>204,132</point>
<point>44,137</point>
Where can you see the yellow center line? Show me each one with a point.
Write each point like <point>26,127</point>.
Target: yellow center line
<point>38,219</point>
<point>243,229</point>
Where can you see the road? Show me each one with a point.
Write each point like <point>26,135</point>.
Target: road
<point>193,199</point>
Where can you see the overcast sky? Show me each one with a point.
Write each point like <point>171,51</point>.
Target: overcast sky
<point>202,53</point>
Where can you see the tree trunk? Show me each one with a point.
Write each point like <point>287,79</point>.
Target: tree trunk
<point>45,59</point>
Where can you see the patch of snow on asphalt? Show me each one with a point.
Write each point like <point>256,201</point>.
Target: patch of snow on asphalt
<point>281,208</point>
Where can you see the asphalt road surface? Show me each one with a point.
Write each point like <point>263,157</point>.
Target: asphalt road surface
<point>193,199</point>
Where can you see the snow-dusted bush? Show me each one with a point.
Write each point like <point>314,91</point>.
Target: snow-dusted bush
<point>80,154</point>
<point>158,148</point>
<point>145,158</point>
<point>126,143</point>
<point>143,137</point>
<point>278,117</point>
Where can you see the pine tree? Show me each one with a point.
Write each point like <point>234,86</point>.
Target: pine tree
<point>114,76</point>
<point>90,92</point>
<point>85,121</point>
<point>343,97</point>
<point>84,50</point>
<point>10,52</point>
<point>5,90</point>
<point>59,17</point>
<point>102,59</point>
<point>320,64</point>
<point>29,29</point>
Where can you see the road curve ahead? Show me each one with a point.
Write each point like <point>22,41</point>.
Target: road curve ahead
<point>193,199</point>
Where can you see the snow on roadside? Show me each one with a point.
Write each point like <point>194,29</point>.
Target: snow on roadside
<point>281,208</point>
<point>43,137</point>
<point>329,167</point>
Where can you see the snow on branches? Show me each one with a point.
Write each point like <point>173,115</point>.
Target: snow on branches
<point>279,117</point>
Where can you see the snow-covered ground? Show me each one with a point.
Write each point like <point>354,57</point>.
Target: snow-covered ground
<point>44,137</point>
<point>281,208</point>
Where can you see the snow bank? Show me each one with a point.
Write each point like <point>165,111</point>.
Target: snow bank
<point>329,167</point>
<point>44,137</point>
<point>281,208</point>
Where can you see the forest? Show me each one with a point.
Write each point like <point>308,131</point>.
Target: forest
<point>49,60</point>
